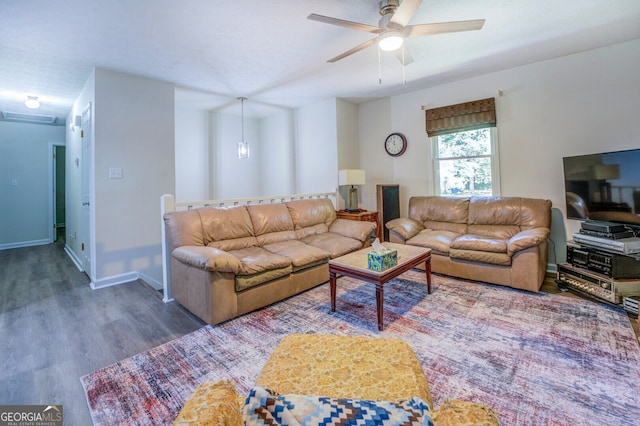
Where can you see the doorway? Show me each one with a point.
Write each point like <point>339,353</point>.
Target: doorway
<point>58,196</point>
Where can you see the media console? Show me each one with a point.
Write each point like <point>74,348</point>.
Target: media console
<point>606,267</point>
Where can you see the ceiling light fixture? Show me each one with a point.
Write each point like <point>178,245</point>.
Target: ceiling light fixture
<point>32,102</point>
<point>390,41</point>
<point>243,147</point>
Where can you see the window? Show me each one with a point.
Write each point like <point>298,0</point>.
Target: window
<point>466,163</point>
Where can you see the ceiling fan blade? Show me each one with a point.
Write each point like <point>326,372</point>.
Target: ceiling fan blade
<point>404,53</point>
<point>342,23</point>
<point>443,27</point>
<point>405,12</point>
<point>354,50</point>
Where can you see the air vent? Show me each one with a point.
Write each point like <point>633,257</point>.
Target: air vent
<point>28,118</point>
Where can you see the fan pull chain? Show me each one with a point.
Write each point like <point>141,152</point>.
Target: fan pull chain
<point>379,67</point>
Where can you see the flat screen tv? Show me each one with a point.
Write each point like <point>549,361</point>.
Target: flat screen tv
<point>604,186</point>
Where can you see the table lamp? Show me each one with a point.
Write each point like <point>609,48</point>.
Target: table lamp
<point>351,177</point>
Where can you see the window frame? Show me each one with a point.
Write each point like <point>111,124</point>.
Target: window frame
<point>496,189</point>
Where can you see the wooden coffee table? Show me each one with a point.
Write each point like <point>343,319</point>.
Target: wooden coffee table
<point>355,265</point>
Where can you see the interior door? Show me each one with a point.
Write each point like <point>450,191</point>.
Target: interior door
<point>87,167</point>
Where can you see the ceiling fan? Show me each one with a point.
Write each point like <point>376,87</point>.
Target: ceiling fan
<point>392,28</point>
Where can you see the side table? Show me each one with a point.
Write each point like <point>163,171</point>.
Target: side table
<point>362,216</point>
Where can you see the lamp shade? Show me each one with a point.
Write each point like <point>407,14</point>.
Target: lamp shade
<point>606,171</point>
<point>351,177</point>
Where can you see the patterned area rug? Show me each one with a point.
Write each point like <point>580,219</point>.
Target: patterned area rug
<point>537,359</point>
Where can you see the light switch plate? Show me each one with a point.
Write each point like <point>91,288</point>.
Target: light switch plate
<point>115,173</point>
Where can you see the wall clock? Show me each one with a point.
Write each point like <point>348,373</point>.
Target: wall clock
<point>395,144</point>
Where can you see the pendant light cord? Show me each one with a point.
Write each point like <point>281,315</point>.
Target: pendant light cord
<point>242,117</point>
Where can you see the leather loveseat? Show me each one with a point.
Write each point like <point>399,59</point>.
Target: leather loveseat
<point>227,261</point>
<point>499,240</point>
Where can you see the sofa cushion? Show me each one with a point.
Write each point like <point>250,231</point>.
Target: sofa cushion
<point>439,241</point>
<point>320,228</point>
<point>495,217</point>
<point>476,242</point>
<point>336,245</point>
<point>535,213</point>
<point>271,223</point>
<point>440,213</point>
<point>258,266</point>
<point>227,228</point>
<point>183,229</point>
<point>405,227</point>
<point>481,256</point>
<point>243,282</point>
<point>527,238</point>
<point>209,258</point>
<point>307,213</point>
<point>300,254</point>
<point>352,229</point>
<point>264,407</point>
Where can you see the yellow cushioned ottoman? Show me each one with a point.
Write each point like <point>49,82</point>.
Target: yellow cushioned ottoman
<point>212,403</point>
<point>357,367</point>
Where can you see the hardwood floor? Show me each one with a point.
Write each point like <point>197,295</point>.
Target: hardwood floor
<point>55,329</point>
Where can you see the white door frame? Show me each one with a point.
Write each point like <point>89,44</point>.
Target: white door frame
<point>52,189</point>
<point>87,196</point>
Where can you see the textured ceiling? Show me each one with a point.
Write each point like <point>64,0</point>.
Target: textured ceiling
<point>269,52</point>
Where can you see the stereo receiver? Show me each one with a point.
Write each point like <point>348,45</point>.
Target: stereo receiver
<point>609,264</point>
<point>597,285</point>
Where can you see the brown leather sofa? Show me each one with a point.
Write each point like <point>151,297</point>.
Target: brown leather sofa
<point>499,240</point>
<point>227,261</point>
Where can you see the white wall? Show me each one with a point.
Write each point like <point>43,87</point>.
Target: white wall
<point>24,158</point>
<point>134,131</point>
<point>277,154</point>
<point>236,178</point>
<point>192,157</point>
<point>347,145</point>
<point>292,152</point>
<point>316,147</point>
<point>578,104</point>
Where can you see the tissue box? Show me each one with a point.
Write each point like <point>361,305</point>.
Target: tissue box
<point>380,262</point>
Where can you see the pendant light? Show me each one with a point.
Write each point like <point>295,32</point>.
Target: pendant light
<point>243,147</point>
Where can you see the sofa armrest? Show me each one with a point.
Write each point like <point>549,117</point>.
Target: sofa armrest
<point>525,239</point>
<point>209,258</point>
<point>360,231</point>
<point>404,227</point>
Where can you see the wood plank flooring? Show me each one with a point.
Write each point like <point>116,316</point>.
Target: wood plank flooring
<point>55,329</point>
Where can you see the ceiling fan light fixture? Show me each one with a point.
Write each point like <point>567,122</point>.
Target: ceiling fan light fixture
<point>391,42</point>
<point>32,102</point>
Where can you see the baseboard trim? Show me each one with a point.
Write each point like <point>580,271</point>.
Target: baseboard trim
<point>73,257</point>
<point>114,280</point>
<point>125,278</point>
<point>22,244</point>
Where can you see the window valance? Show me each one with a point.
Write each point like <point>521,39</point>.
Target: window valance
<point>461,117</point>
